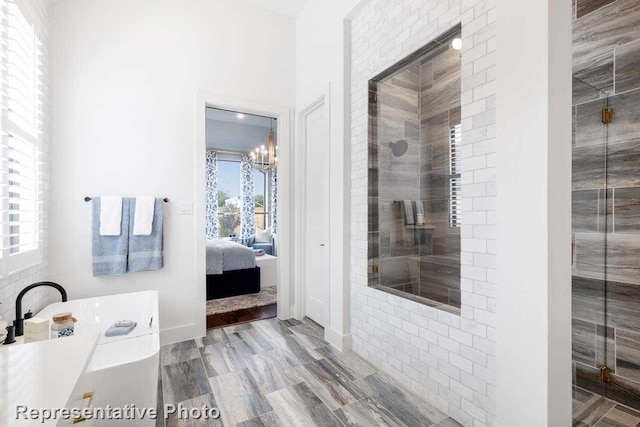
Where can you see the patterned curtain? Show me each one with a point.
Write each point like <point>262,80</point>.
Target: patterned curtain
<point>211,203</point>
<point>247,228</point>
<point>274,201</point>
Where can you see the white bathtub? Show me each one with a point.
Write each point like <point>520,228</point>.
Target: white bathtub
<point>124,370</point>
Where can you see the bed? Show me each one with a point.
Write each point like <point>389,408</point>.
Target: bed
<point>231,270</point>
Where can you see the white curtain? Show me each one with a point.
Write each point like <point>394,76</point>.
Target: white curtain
<point>211,204</point>
<point>247,228</point>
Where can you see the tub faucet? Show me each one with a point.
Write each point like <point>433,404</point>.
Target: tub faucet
<point>19,322</point>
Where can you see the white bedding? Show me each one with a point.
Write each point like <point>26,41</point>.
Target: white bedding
<point>224,255</point>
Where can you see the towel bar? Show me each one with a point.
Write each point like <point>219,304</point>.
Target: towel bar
<point>88,199</point>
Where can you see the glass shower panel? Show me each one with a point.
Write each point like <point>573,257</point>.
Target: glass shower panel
<point>414,176</point>
<point>590,206</point>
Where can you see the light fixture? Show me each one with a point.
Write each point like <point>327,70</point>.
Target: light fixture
<point>456,43</point>
<point>240,116</point>
<point>265,158</point>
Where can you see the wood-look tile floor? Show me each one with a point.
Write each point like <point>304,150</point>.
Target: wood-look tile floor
<point>590,409</point>
<point>283,373</point>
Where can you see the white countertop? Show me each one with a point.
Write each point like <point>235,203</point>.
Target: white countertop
<point>42,374</point>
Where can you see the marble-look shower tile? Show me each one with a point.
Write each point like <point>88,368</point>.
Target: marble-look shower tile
<point>606,347</point>
<point>398,270</point>
<point>178,352</point>
<point>588,378</point>
<point>628,354</point>
<point>197,402</point>
<point>623,263</point>
<point>592,411</point>
<point>628,67</point>
<point>590,131</point>
<point>184,380</point>
<point>620,416</point>
<point>328,384</point>
<point>409,409</point>
<point>623,164</point>
<point>408,78</point>
<point>238,397</point>
<point>622,303</point>
<point>583,341</point>
<point>266,420</point>
<point>613,25</point>
<point>624,125</point>
<point>588,168</point>
<point>593,79</point>
<point>221,358</point>
<point>625,215</point>
<point>298,405</point>
<point>589,254</point>
<point>586,210</point>
<point>584,7</point>
<point>624,391</point>
<point>368,412</point>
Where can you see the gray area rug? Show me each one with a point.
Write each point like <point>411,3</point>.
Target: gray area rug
<point>266,296</point>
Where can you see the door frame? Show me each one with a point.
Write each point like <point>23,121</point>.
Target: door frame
<point>284,115</point>
<point>321,101</point>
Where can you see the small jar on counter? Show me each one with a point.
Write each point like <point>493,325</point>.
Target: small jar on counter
<point>62,325</point>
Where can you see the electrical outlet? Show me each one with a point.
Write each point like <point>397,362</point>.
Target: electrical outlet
<point>186,208</point>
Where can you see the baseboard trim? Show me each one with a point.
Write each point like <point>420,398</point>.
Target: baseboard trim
<point>340,341</point>
<point>180,333</point>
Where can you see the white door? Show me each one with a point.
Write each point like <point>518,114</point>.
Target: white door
<point>316,235</point>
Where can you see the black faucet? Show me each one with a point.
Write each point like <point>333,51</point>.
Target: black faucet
<point>19,322</point>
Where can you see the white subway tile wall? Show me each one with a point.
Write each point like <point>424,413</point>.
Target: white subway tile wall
<point>450,359</point>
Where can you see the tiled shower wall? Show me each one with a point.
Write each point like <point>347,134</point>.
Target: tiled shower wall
<point>419,104</point>
<point>606,196</point>
<point>446,357</point>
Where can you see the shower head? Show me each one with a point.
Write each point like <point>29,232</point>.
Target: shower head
<point>399,148</point>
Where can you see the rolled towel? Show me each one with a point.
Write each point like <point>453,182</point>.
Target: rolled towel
<point>115,330</point>
<point>143,215</point>
<point>110,215</point>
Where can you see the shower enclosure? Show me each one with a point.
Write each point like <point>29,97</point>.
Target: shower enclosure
<point>606,202</point>
<point>414,175</point>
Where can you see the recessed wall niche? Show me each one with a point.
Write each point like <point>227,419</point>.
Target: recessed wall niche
<point>414,175</point>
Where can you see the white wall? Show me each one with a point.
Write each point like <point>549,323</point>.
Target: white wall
<point>320,62</point>
<point>124,77</point>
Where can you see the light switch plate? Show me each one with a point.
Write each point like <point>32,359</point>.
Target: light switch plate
<point>186,208</point>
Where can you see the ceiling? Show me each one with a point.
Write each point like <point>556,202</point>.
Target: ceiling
<point>290,8</point>
<point>226,132</point>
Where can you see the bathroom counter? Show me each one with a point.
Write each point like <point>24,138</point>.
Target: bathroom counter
<point>42,374</point>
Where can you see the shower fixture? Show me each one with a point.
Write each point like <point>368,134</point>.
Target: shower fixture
<point>399,148</point>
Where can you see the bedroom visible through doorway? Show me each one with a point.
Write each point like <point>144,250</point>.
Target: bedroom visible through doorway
<point>241,205</point>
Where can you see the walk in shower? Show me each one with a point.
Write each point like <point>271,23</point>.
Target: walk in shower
<point>414,175</point>
<point>606,211</point>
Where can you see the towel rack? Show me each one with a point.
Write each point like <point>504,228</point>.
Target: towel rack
<point>88,199</point>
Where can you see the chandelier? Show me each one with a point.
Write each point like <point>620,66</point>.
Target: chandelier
<point>265,158</point>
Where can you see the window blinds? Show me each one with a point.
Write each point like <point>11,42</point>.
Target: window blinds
<point>23,95</point>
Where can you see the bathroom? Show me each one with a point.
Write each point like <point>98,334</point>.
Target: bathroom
<point>480,269</point>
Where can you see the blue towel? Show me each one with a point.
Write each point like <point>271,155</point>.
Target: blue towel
<point>110,252</point>
<point>115,331</point>
<point>145,252</point>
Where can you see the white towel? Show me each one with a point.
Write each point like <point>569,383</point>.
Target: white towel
<point>110,215</point>
<point>143,216</point>
<point>408,212</point>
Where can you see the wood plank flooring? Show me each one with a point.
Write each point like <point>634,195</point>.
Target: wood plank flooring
<point>590,409</point>
<point>241,316</point>
<point>283,373</point>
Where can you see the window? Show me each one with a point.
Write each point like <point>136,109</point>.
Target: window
<point>455,182</point>
<point>23,125</point>
<point>229,201</point>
